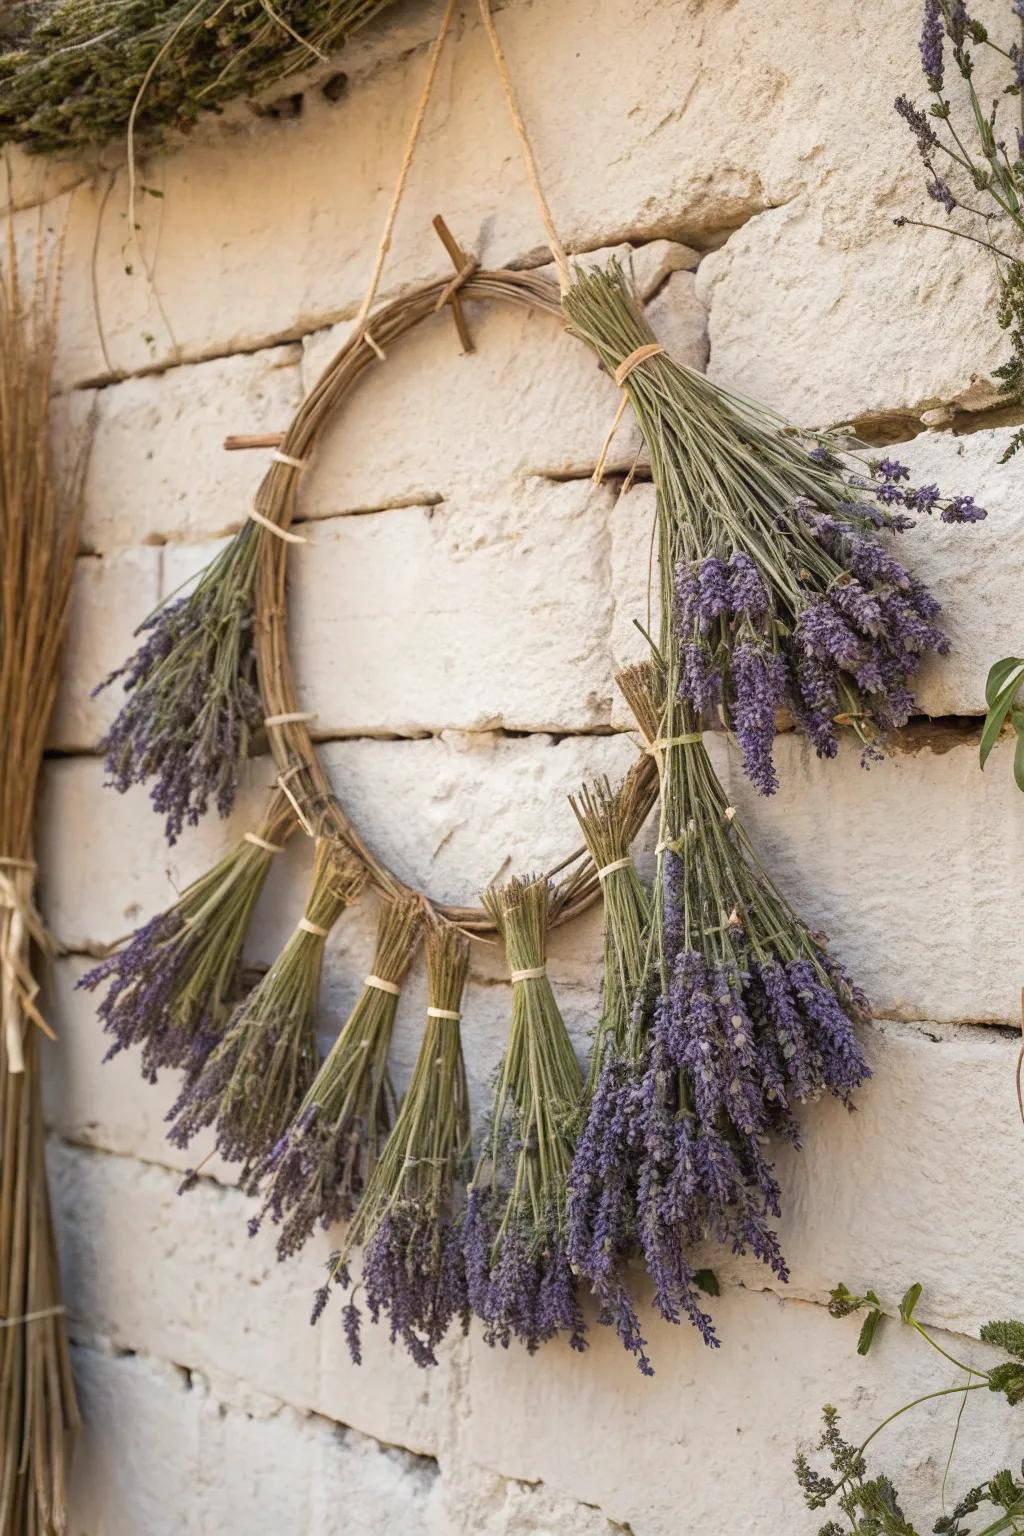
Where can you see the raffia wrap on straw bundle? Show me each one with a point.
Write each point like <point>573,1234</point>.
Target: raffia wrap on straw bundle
<point>38,541</point>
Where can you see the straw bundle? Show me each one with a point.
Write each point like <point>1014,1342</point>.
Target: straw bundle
<point>73,71</point>
<point>37,555</point>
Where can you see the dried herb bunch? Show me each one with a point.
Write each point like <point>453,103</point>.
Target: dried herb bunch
<point>974,160</point>
<point>870,1504</point>
<point>746,1015</point>
<point>256,1076</point>
<point>38,544</point>
<point>172,986</point>
<point>519,1278</point>
<point>71,71</point>
<point>193,705</point>
<point>412,1267</point>
<point>782,591</point>
<point>316,1170</point>
<point>608,821</point>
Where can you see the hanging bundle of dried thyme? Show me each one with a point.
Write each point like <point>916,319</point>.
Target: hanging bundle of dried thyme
<point>519,1279</point>
<point>412,1267</point>
<point>172,986</point>
<point>257,1074</point>
<point>778,586</point>
<point>317,1169</point>
<point>38,541</point>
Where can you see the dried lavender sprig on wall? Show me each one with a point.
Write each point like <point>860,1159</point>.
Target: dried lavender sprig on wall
<point>172,986</point>
<point>192,703</point>
<point>974,163</point>
<point>520,1282</point>
<point>316,1169</point>
<point>412,1267</point>
<point>258,1073</point>
<point>783,592</point>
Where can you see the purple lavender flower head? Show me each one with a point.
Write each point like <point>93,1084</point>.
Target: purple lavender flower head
<point>932,35</point>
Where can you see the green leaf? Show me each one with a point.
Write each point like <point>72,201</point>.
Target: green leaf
<point>1004,680</point>
<point>1017,719</point>
<point>707,1281</point>
<point>1007,1335</point>
<point>909,1302</point>
<point>868,1330</point>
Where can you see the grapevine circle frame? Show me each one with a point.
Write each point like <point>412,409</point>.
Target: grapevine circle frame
<point>296,758</point>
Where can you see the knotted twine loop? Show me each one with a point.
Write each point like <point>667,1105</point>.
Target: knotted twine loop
<point>533,974</point>
<point>20,926</point>
<point>443,1013</point>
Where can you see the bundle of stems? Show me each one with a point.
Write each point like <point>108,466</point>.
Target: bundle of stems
<point>256,1076</point>
<point>519,1279</point>
<point>38,542</point>
<point>192,703</point>
<point>747,1014</point>
<point>318,1169</point>
<point>780,589</point>
<point>172,986</point>
<point>412,1267</point>
<point>608,821</point>
<point>73,72</point>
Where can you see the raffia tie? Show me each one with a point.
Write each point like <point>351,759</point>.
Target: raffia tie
<point>636,357</point>
<point>533,974</point>
<point>20,926</point>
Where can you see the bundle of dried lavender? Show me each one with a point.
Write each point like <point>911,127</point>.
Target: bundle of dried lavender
<point>608,822</point>
<point>257,1074</point>
<point>173,985</point>
<point>747,1016</point>
<point>316,1168</point>
<point>412,1268</point>
<point>782,592</point>
<point>193,704</point>
<point>38,543</point>
<point>518,1275</point>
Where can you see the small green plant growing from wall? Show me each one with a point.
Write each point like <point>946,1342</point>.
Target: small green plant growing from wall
<point>869,1501</point>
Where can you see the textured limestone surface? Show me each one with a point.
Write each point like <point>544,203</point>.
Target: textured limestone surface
<point>457,616</point>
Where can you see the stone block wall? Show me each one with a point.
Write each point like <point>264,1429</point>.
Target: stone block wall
<point>458,614</point>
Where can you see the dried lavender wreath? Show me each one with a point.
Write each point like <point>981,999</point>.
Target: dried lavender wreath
<point>722,1012</point>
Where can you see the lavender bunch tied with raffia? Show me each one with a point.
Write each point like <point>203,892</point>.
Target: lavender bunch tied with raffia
<point>519,1278</point>
<point>412,1268</point>
<point>256,1076</point>
<point>171,987</point>
<point>316,1170</point>
<point>192,704</point>
<point>784,594</point>
<point>747,1017</point>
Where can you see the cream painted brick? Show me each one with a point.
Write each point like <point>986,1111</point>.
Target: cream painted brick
<point>530,399</point>
<point>714,1432</point>
<point>160,1454</point>
<point>111,595</point>
<point>158,470</point>
<point>413,620</point>
<point>906,868</point>
<point>178,1276</point>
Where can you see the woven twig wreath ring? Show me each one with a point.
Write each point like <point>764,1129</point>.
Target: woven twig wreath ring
<point>295,753</point>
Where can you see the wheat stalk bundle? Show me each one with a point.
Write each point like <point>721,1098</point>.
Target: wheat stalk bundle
<point>38,541</point>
